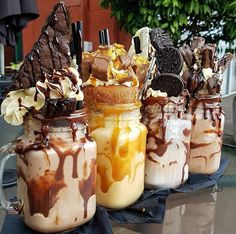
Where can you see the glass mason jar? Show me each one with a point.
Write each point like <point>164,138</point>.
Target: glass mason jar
<point>168,141</point>
<point>207,132</point>
<point>56,166</point>
<point>121,140</point>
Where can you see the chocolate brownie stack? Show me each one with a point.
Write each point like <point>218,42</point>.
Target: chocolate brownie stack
<point>50,53</point>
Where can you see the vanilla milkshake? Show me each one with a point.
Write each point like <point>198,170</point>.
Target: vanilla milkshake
<point>56,180</point>
<point>163,110</point>
<point>167,150</point>
<point>202,73</point>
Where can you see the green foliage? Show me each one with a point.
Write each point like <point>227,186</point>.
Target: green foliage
<point>183,19</point>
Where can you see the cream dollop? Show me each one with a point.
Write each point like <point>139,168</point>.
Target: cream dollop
<point>62,87</point>
<point>207,73</point>
<point>17,103</point>
<point>154,93</point>
<point>65,84</point>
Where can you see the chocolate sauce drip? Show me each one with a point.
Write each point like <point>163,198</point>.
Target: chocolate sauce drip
<point>87,186</point>
<point>74,129</point>
<point>187,152</point>
<point>172,162</point>
<point>62,156</point>
<point>42,192</point>
<point>162,145</point>
<point>213,105</point>
<point>151,159</point>
<point>186,132</point>
<point>215,153</point>
<point>200,156</point>
<point>194,145</point>
<point>194,119</point>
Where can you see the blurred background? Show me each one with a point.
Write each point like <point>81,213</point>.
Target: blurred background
<point>213,19</point>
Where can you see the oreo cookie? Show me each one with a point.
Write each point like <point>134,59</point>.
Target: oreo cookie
<point>160,39</point>
<point>170,83</point>
<point>169,60</point>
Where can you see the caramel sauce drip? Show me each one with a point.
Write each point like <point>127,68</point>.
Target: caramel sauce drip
<point>87,186</point>
<point>121,158</point>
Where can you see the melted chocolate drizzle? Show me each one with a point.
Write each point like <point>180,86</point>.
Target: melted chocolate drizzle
<point>161,143</point>
<point>87,186</point>
<point>43,190</point>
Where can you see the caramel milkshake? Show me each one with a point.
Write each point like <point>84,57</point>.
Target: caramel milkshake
<point>202,73</point>
<point>111,92</point>
<point>56,158</point>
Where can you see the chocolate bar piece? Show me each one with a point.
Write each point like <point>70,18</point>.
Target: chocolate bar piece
<point>187,55</point>
<point>197,42</point>
<point>208,56</point>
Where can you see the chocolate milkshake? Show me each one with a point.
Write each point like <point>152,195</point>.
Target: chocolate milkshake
<point>56,158</point>
<point>169,128</point>
<point>111,92</point>
<point>202,73</point>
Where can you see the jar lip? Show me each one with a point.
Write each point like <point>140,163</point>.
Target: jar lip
<point>164,100</point>
<point>207,96</point>
<point>126,106</point>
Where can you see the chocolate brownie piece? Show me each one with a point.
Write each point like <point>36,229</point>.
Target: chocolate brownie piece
<point>50,52</point>
<point>58,107</point>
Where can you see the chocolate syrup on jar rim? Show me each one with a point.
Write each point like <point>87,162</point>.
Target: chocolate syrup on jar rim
<point>208,120</point>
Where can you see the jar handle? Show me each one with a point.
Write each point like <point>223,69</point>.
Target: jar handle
<point>6,152</point>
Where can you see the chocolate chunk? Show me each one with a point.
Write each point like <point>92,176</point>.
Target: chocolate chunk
<point>169,60</point>
<point>185,76</point>
<point>50,52</point>
<point>100,66</point>
<point>208,56</point>
<point>214,84</point>
<point>224,62</point>
<point>187,55</point>
<point>86,65</point>
<point>195,82</point>
<point>125,61</point>
<point>170,83</point>
<point>58,107</point>
<point>160,39</point>
<point>197,42</point>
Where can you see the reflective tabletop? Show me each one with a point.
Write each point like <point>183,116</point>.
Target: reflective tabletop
<point>206,211</point>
